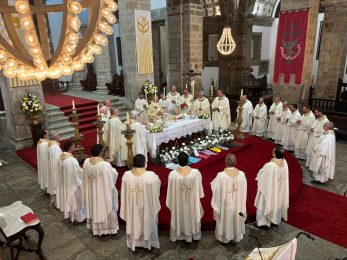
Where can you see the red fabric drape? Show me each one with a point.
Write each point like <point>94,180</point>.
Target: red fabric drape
<point>290,47</point>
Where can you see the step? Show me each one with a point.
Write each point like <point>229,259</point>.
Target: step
<point>54,119</point>
<point>55,113</point>
<point>60,125</point>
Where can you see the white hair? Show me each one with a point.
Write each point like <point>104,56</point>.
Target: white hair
<point>133,114</point>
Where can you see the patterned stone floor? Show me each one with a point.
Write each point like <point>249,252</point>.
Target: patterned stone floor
<point>64,240</point>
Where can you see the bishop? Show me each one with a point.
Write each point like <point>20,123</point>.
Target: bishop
<point>274,112</point>
<point>221,112</point>
<point>141,107</point>
<point>202,105</point>
<point>260,118</point>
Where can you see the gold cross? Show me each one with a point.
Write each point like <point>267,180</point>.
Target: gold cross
<point>137,190</point>
<point>233,189</point>
<point>185,188</point>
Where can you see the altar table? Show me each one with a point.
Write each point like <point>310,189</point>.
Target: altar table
<point>178,129</point>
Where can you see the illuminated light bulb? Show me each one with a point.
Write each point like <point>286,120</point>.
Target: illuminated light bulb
<point>26,23</point>
<point>3,56</point>
<point>66,59</point>
<point>22,7</point>
<point>41,67</point>
<point>72,38</point>
<point>75,24</point>
<point>104,27</point>
<point>105,12</point>
<point>109,30</point>
<point>35,51</point>
<point>30,39</point>
<point>108,1</point>
<point>69,48</point>
<point>84,58</point>
<point>38,60</point>
<point>90,59</point>
<point>54,73</point>
<point>40,75</point>
<point>113,6</point>
<point>111,19</point>
<point>77,65</point>
<point>75,7</point>
<point>10,73</point>
<point>101,40</point>
<point>67,70</point>
<point>226,44</point>
<point>11,64</point>
<point>95,49</point>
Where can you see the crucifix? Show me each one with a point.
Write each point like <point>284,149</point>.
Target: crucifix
<point>191,74</point>
<point>136,189</point>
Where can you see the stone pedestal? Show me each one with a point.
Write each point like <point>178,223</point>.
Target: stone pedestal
<point>300,93</point>
<point>77,76</point>
<point>133,82</point>
<point>102,67</point>
<point>17,124</point>
<point>333,49</point>
<point>185,40</point>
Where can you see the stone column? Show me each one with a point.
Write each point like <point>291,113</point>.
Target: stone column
<point>102,67</point>
<point>17,125</point>
<point>333,49</point>
<point>300,93</point>
<point>133,82</point>
<point>185,41</point>
<point>77,76</point>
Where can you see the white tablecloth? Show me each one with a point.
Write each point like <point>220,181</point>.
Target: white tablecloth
<point>175,130</point>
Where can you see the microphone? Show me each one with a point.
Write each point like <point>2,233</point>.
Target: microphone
<point>306,234</point>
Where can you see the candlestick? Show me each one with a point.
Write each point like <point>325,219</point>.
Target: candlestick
<point>98,108</point>
<point>241,92</point>
<point>73,104</point>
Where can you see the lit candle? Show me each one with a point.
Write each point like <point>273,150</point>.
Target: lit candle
<point>98,108</point>
<point>193,83</point>
<point>164,92</point>
<point>186,86</point>
<point>128,118</point>
<point>73,104</point>
<point>146,96</point>
<point>241,92</point>
<point>211,89</point>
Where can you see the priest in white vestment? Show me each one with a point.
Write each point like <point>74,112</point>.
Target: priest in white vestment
<point>184,192</point>
<point>154,110</point>
<point>99,195</point>
<point>229,197</point>
<point>272,199</point>
<point>221,112</point>
<point>139,138</point>
<point>291,129</point>
<point>260,118</point>
<point>54,153</point>
<point>274,111</point>
<point>202,105</point>
<point>173,96</point>
<point>42,159</point>
<point>141,107</point>
<point>247,114</point>
<point>69,188</point>
<point>185,102</point>
<point>282,120</point>
<point>140,205</point>
<point>324,155</point>
<point>115,141</point>
<point>164,104</point>
<point>305,123</point>
<point>103,112</point>
<point>108,104</point>
<point>315,132</point>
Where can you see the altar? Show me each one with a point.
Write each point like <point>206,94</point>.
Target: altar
<point>175,130</point>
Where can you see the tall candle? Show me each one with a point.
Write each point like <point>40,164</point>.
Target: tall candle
<point>155,96</point>
<point>98,108</point>
<point>164,92</point>
<point>128,118</point>
<point>186,86</point>
<point>241,92</point>
<point>193,83</point>
<point>146,96</point>
<point>73,104</point>
<point>211,89</point>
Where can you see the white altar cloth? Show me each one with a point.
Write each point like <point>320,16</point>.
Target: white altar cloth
<point>177,129</point>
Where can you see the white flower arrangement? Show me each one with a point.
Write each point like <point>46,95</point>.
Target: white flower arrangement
<point>149,88</point>
<point>156,129</point>
<point>204,116</point>
<point>30,105</point>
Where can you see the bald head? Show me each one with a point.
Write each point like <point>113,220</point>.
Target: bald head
<point>108,103</point>
<point>230,160</point>
<point>133,114</point>
<point>201,94</point>
<point>104,110</point>
<point>328,126</point>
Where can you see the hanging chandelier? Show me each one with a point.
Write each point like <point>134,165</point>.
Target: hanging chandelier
<point>29,56</point>
<point>226,44</point>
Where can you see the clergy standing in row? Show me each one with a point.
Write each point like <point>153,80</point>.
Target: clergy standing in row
<point>140,205</point>
<point>43,159</point>
<point>184,192</point>
<point>221,112</point>
<point>324,155</point>
<point>290,131</point>
<point>185,102</point>
<point>100,196</point>
<point>115,141</point>
<point>141,107</point>
<point>229,197</point>
<point>272,199</point>
<point>173,96</point>
<point>260,118</point>
<point>281,123</point>
<point>305,123</point>
<point>274,112</point>
<point>69,186</point>
<point>315,132</point>
<point>247,113</point>
<point>202,105</point>
<point>164,104</point>
<point>54,153</point>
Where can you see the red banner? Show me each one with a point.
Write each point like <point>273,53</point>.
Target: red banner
<point>290,47</point>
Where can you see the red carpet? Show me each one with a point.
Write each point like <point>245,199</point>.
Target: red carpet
<point>86,109</point>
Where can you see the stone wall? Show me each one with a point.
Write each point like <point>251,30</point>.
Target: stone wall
<point>103,71</point>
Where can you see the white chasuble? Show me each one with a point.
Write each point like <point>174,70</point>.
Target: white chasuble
<point>324,156</point>
<point>260,120</point>
<point>221,118</point>
<point>202,106</point>
<point>229,197</point>
<point>54,154</point>
<point>140,206</point>
<point>316,132</point>
<point>274,112</point>
<point>69,188</point>
<point>307,121</point>
<point>183,200</point>
<point>141,106</point>
<point>272,200</point>
<point>143,29</point>
<point>154,111</point>
<point>42,163</point>
<point>281,123</point>
<point>115,140</point>
<point>165,105</point>
<point>174,99</point>
<point>100,196</point>
<point>290,131</point>
<point>185,103</point>
<point>247,113</point>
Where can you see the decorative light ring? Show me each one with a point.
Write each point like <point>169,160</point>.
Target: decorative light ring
<point>226,44</point>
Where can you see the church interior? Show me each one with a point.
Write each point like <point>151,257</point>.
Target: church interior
<point>126,124</point>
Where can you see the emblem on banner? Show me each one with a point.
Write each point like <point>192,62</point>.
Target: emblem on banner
<point>143,24</point>
<point>291,46</point>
